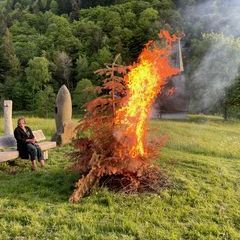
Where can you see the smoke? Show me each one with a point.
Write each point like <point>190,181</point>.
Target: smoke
<point>219,67</point>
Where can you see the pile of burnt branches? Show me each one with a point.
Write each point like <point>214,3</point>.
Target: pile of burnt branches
<point>106,169</point>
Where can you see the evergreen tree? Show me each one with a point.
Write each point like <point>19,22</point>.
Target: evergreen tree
<point>9,54</point>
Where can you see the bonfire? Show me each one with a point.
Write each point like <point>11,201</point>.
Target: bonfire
<point>114,150</point>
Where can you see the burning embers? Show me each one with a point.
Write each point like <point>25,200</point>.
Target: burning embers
<point>117,152</point>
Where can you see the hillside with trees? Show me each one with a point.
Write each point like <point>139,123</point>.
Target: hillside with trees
<point>47,43</point>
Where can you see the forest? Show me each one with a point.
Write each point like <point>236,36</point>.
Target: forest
<point>47,43</point>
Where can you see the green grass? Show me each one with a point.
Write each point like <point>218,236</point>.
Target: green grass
<point>202,159</point>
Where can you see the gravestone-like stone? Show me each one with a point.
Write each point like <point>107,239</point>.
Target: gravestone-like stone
<point>8,125</point>
<point>65,127</point>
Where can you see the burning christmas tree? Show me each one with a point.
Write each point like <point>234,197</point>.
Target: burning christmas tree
<point>117,153</point>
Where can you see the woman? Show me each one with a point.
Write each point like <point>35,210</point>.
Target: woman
<point>26,143</point>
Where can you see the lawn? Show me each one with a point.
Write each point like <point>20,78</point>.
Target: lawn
<point>201,158</point>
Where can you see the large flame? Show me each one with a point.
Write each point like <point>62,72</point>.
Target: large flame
<point>144,81</point>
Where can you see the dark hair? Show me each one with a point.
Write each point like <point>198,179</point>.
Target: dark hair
<point>19,119</point>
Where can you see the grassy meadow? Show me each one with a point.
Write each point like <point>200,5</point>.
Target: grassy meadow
<point>201,158</point>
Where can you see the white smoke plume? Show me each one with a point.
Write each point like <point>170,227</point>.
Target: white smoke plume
<point>220,66</point>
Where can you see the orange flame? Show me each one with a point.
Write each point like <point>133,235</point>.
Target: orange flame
<point>144,81</point>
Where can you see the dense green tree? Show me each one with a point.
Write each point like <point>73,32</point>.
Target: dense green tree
<point>45,102</point>
<point>37,76</point>
<point>11,76</point>
<point>82,67</point>
<point>9,54</point>
<point>59,35</point>
<point>25,40</point>
<point>54,6</point>
<point>83,93</point>
<point>37,73</point>
<point>233,95</point>
<point>102,57</point>
<point>90,34</point>
<point>147,17</point>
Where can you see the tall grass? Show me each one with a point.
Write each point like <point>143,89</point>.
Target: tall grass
<point>201,158</point>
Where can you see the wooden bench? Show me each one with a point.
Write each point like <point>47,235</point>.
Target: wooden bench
<point>8,146</point>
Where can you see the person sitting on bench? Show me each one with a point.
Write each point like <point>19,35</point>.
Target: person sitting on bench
<point>26,144</point>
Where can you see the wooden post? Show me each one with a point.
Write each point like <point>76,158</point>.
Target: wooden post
<point>8,125</point>
<point>45,155</point>
<point>180,55</point>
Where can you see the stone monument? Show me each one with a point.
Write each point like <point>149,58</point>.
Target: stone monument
<point>8,125</point>
<point>65,127</point>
